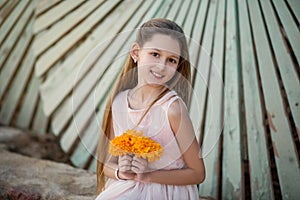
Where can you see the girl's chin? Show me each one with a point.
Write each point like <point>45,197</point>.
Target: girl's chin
<point>157,85</point>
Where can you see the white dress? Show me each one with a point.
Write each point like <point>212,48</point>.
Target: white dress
<point>155,125</point>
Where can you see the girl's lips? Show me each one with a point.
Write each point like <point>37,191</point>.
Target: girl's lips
<point>157,75</point>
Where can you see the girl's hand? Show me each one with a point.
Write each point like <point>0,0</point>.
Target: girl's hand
<point>124,165</point>
<point>140,167</point>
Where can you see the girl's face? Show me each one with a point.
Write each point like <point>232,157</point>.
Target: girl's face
<point>158,60</point>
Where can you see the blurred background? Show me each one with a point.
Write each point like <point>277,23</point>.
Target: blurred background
<point>59,59</point>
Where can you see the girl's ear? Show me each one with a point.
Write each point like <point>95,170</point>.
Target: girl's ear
<point>134,52</point>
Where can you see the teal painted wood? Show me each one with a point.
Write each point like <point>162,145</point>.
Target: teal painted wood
<point>8,30</point>
<point>28,104</point>
<point>13,59</point>
<point>285,64</point>
<point>190,20</point>
<point>44,5</point>
<point>214,122</point>
<point>196,37</point>
<point>40,120</point>
<point>204,65</point>
<point>194,50</point>
<point>58,12</point>
<point>295,5</point>
<point>231,165</point>
<point>61,27</point>
<point>175,8</point>
<point>6,7</point>
<point>260,175</point>
<point>283,145</point>
<point>58,50</point>
<point>13,96</point>
<point>179,18</point>
<point>290,28</point>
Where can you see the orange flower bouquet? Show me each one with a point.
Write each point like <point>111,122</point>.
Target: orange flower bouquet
<point>133,142</point>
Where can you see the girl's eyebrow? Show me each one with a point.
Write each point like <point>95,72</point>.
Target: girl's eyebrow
<point>159,50</point>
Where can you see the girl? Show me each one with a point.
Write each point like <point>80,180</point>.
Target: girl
<point>151,95</point>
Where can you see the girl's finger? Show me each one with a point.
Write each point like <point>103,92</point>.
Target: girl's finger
<point>124,163</point>
<point>139,165</point>
<point>142,161</point>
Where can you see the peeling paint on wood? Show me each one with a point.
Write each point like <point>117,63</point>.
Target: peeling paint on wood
<point>270,121</point>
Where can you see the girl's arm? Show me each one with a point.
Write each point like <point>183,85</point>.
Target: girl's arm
<point>194,173</point>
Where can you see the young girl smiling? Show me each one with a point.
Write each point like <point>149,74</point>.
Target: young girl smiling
<point>152,94</point>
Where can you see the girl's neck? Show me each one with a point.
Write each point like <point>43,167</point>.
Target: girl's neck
<point>143,96</point>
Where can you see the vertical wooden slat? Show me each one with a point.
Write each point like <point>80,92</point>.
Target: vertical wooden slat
<point>196,40</point>
<point>231,163</point>
<point>214,122</point>
<point>260,175</point>
<point>203,68</point>
<point>290,28</point>
<point>190,20</point>
<point>179,18</point>
<point>295,5</point>
<point>194,49</point>
<point>285,65</point>
<point>285,155</point>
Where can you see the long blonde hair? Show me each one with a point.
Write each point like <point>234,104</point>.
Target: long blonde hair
<point>128,78</point>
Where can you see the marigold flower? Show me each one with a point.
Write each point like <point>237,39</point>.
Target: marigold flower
<point>133,142</point>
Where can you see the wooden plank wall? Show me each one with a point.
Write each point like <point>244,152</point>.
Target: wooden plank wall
<point>59,59</point>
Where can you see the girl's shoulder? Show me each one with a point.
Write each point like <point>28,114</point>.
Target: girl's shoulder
<point>119,101</point>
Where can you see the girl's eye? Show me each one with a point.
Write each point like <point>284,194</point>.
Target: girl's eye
<point>155,54</point>
<point>173,61</point>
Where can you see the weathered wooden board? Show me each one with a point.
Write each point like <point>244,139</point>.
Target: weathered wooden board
<point>260,175</point>
<point>58,50</point>
<point>194,49</point>
<point>6,7</point>
<point>283,145</point>
<point>214,117</point>
<point>13,59</point>
<point>286,67</point>
<point>290,28</point>
<point>7,41</point>
<point>53,15</point>
<point>11,101</point>
<point>62,27</point>
<point>231,161</point>
<point>295,5</point>
<point>44,5</point>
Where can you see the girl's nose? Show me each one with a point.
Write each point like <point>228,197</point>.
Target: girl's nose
<point>162,63</point>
